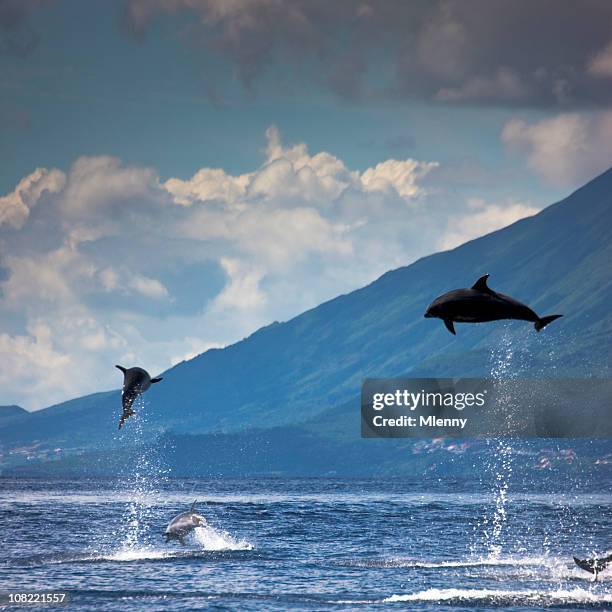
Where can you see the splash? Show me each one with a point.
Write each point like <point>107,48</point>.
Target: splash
<point>143,481</point>
<point>210,538</point>
<point>500,455</point>
<point>492,530</point>
<point>202,540</point>
<point>502,357</point>
<point>494,523</point>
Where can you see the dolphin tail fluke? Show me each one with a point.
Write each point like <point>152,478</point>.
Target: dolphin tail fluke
<point>586,564</point>
<point>540,324</point>
<point>594,566</point>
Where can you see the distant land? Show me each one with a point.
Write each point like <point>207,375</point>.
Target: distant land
<point>8,414</point>
<point>285,400</point>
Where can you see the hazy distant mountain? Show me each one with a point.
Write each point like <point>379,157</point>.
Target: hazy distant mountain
<point>9,414</point>
<point>287,373</point>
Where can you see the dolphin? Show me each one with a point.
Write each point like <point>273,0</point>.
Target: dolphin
<point>183,524</point>
<point>594,566</point>
<point>479,304</point>
<point>135,382</point>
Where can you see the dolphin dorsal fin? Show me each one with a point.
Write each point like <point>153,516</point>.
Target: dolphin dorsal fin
<point>481,284</point>
<point>192,509</point>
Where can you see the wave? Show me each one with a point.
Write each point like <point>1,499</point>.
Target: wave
<point>487,561</point>
<point>121,556</point>
<point>576,596</point>
<point>543,568</point>
<point>204,540</point>
<point>138,554</point>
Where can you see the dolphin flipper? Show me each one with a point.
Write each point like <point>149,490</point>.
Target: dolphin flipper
<point>450,326</point>
<point>155,380</point>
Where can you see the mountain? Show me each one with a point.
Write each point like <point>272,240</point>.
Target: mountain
<point>309,369</point>
<point>9,414</point>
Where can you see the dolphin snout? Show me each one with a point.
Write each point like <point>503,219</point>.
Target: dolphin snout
<point>432,312</point>
<point>429,314</point>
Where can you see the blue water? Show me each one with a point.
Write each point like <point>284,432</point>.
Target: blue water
<point>278,544</point>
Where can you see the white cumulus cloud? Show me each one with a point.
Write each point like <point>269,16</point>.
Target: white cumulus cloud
<point>483,218</point>
<point>15,207</point>
<point>565,149</point>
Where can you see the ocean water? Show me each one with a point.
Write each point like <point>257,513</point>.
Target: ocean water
<point>307,544</point>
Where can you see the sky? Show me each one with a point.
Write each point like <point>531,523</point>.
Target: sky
<point>176,174</point>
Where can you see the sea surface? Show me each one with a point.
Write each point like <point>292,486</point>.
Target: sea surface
<point>307,544</point>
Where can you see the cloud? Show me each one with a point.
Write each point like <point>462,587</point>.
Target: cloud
<point>149,287</point>
<point>15,207</point>
<point>434,50</point>
<point>101,260</point>
<point>565,149</point>
<point>40,279</point>
<point>401,176</point>
<point>504,86</point>
<point>32,368</point>
<point>208,184</point>
<point>242,290</point>
<point>101,186</point>
<point>482,219</point>
<point>601,64</point>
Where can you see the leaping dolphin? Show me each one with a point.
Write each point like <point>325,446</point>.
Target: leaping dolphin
<point>480,304</point>
<point>135,382</point>
<point>183,524</point>
<point>594,566</point>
